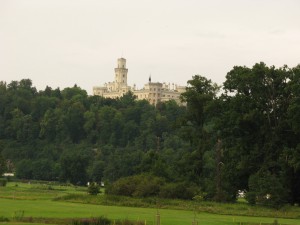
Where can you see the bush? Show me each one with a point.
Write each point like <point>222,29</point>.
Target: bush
<point>4,219</point>
<point>146,185</point>
<point>104,221</point>
<point>266,189</point>
<point>180,190</point>
<point>92,221</point>
<point>93,189</point>
<point>3,182</point>
<point>143,185</point>
<point>251,197</point>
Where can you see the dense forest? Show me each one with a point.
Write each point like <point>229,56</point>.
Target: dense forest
<point>243,135</point>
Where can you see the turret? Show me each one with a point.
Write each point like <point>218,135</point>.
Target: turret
<point>121,63</point>
<point>121,73</point>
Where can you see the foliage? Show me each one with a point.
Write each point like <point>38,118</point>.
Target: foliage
<point>3,182</point>
<point>138,186</point>
<point>93,188</point>
<point>266,189</point>
<point>146,185</point>
<point>92,221</point>
<point>2,165</point>
<point>245,138</point>
<point>181,190</point>
<point>4,219</point>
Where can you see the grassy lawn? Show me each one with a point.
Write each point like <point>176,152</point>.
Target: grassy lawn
<point>36,201</point>
<point>37,191</point>
<point>53,209</point>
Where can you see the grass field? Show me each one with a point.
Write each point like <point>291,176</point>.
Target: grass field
<point>36,201</point>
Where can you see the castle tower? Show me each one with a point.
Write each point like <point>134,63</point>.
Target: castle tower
<point>121,73</point>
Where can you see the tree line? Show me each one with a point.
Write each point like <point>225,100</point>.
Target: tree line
<point>242,135</point>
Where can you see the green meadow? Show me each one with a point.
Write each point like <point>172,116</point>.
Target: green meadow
<point>44,203</point>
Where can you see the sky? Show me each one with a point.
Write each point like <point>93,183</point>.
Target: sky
<point>61,43</point>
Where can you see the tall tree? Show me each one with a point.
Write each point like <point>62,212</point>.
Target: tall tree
<point>254,125</point>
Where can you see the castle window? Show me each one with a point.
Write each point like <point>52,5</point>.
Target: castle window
<point>123,75</point>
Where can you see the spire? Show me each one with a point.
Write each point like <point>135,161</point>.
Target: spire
<point>150,78</point>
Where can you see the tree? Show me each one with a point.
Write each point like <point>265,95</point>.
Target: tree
<point>24,169</point>
<point>2,165</point>
<point>267,189</point>
<point>202,111</point>
<point>74,164</point>
<point>74,121</point>
<point>254,125</point>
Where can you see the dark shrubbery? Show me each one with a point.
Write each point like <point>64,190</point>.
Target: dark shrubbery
<point>147,185</point>
<point>137,186</point>
<point>104,221</point>
<point>93,189</point>
<point>266,189</point>
<point>92,221</point>
<point>182,190</point>
<point>3,182</point>
<point>4,219</point>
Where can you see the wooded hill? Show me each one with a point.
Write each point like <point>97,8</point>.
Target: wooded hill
<point>241,136</point>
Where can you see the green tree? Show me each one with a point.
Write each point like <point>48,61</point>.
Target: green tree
<point>74,166</point>
<point>266,188</point>
<point>2,165</point>
<point>254,125</point>
<point>201,98</point>
<point>74,121</point>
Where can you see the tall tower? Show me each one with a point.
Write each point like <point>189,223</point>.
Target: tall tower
<point>121,73</point>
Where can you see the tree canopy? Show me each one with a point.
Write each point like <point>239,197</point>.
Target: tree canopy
<point>242,135</point>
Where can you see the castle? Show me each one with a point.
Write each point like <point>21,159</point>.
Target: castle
<point>154,92</point>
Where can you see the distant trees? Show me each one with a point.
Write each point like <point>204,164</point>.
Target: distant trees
<point>245,137</point>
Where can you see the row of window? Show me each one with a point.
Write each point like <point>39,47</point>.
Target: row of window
<point>154,95</point>
<point>117,75</point>
<point>154,89</point>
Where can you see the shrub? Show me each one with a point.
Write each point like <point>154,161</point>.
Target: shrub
<point>93,189</point>
<point>92,221</point>
<point>148,186</point>
<point>251,197</point>
<point>180,190</point>
<point>4,219</point>
<point>266,189</point>
<point>3,182</point>
<point>143,185</point>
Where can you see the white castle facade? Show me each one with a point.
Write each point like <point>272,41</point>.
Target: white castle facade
<point>154,92</point>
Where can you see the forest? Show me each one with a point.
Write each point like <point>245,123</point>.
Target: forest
<point>240,136</point>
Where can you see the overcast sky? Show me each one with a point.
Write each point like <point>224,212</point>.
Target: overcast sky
<point>60,43</point>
